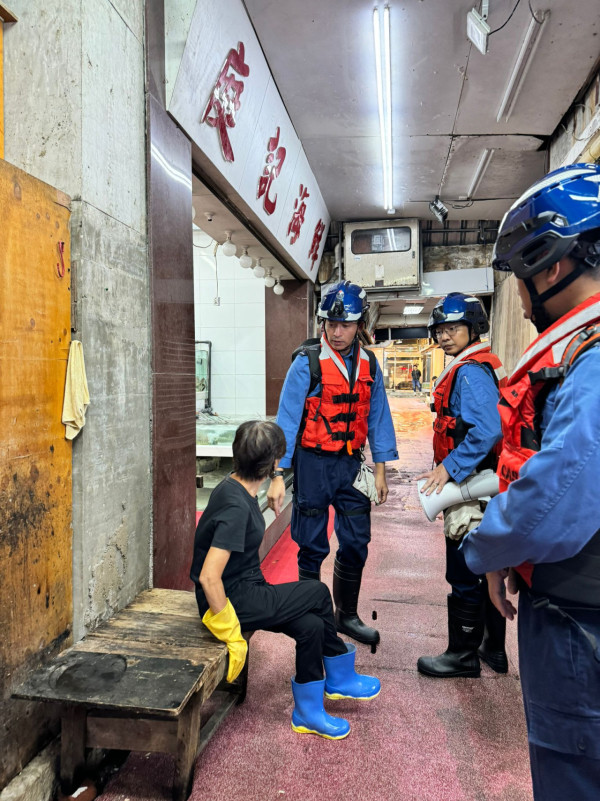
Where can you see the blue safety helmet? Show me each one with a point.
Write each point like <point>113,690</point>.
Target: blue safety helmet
<point>459,308</point>
<point>555,217</point>
<point>343,301</point>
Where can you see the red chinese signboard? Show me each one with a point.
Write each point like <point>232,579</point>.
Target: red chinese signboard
<point>298,214</point>
<point>313,253</point>
<point>274,163</point>
<point>224,101</point>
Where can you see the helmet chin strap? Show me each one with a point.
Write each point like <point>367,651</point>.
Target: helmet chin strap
<point>539,316</point>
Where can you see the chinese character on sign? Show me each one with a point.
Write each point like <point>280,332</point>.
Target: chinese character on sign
<point>313,253</point>
<point>298,215</point>
<point>224,101</point>
<point>275,159</point>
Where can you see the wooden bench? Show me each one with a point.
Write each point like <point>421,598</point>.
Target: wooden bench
<point>138,683</point>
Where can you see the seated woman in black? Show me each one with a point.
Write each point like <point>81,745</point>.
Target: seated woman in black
<point>232,592</point>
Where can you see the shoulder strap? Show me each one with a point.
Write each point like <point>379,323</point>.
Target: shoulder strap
<point>314,364</point>
<point>580,343</point>
<point>312,352</point>
<point>372,362</point>
<point>311,348</point>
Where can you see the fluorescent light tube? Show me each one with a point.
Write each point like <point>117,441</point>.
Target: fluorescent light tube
<point>521,66</point>
<point>482,166</point>
<point>388,99</point>
<point>384,100</point>
<point>413,309</point>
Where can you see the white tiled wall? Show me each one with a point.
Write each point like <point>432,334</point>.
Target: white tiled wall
<point>236,328</point>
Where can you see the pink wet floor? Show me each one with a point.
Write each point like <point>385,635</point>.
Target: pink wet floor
<point>421,739</point>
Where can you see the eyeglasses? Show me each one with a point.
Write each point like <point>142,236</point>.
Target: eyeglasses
<point>451,330</point>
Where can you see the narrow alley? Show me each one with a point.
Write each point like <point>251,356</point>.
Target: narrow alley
<point>437,740</point>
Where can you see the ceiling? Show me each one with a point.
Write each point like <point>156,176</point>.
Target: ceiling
<point>391,313</point>
<point>445,97</point>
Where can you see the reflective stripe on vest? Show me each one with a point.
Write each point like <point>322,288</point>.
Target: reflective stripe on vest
<point>336,418</point>
<point>448,431</point>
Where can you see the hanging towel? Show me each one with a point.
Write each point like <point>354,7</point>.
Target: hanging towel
<point>77,397</point>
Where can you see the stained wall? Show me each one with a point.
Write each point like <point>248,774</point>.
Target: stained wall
<point>75,118</point>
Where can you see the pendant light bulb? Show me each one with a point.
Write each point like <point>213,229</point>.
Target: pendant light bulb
<point>278,288</point>
<point>245,259</point>
<point>269,280</point>
<point>229,249</point>
<point>259,270</point>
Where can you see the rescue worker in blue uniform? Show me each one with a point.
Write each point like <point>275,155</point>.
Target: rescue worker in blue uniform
<point>326,427</point>
<point>545,522</point>
<point>466,430</point>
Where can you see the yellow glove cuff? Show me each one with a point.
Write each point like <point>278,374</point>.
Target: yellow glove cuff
<point>225,626</point>
<point>225,619</point>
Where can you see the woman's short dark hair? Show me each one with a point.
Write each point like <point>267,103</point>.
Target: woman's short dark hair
<point>256,446</point>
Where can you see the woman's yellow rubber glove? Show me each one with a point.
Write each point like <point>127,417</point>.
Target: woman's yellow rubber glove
<point>226,627</point>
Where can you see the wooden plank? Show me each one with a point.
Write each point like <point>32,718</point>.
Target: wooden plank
<point>177,602</point>
<point>35,458</point>
<point>132,734</point>
<point>1,86</point>
<point>153,629</point>
<point>198,654</point>
<point>72,746</point>
<point>215,720</point>
<point>164,620</point>
<point>188,733</point>
<point>145,685</point>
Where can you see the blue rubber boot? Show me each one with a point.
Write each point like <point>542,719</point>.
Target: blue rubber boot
<point>342,681</point>
<point>309,716</point>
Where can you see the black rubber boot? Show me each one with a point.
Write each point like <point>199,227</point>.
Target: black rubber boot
<point>346,589</point>
<point>308,574</point>
<point>465,631</point>
<point>492,649</point>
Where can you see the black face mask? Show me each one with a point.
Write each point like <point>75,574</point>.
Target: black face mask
<point>539,316</point>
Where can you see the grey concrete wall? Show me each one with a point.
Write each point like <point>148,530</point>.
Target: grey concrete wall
<point>75,118</point>
<point>511,332</point>
<point>577,137</point>
<point>456,257</point>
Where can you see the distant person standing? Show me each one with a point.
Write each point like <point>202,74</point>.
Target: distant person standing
<point>416,380</point>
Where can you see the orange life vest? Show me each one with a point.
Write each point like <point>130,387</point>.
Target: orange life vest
<point>523,397</point>
<point>336,417</point>
<point>449,431</point>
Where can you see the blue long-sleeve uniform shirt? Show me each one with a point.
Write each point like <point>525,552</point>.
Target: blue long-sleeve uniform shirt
<point>553,509</point>
<point>381,434</point>
<point>474,398</point>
